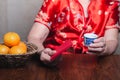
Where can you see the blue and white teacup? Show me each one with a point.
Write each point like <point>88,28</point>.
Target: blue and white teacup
<point>89,38</point>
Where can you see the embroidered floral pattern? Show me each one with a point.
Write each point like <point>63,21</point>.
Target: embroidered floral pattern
<point>65,18</point>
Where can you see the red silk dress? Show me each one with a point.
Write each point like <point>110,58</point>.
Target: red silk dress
<point>66,20</point>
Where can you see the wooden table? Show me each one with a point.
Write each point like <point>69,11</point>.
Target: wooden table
<point>72,67</point>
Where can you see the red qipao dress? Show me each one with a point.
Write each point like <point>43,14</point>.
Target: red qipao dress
<point>66,20</point>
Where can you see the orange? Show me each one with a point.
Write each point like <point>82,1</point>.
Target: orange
<point>22,44</point>
<point>17,50</point>
<point>11,39</point>
<point>4,49</point>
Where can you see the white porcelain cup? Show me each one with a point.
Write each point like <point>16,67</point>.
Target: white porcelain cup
<point>89,38</point>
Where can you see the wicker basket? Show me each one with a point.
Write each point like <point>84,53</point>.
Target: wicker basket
<point>8,60</point>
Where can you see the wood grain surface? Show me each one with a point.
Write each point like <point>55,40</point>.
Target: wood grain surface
<point>71,67</point>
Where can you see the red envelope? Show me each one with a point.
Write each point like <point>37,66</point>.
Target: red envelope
<point>67,44</point>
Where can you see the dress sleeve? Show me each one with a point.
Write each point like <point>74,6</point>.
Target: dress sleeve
<point>113,17</point>
<point>46,13</point>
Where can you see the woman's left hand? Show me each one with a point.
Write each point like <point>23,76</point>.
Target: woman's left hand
<point>98,47</point>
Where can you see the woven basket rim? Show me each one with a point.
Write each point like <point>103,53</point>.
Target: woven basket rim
<point>17,60</point>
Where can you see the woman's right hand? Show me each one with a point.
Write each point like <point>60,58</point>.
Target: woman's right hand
<point>46,55</point>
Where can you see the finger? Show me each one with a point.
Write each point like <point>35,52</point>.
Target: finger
<point>94,53</point>
<point>100,49</point>
<point>97,45</point>
<point>91,53</point>
<point>49,51</point>
<point>45,57</point>
<point>52,52</point>
<point>101,39</point>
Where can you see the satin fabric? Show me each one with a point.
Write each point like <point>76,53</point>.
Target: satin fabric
<point>66,20</point>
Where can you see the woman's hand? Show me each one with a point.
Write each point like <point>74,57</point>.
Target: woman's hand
<point>46,56</point>
<point>98,47</point>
